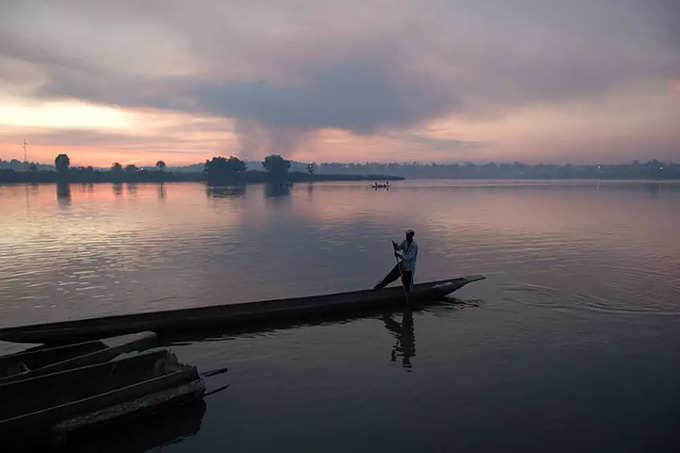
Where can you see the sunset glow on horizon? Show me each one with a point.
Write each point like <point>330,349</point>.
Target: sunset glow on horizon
<point>353,83</point>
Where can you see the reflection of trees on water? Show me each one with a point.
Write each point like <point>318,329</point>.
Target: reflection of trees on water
<point>132,189</point>
<point>161,186</point>
<point>238,190</point>
<point>275,189</point>
<point>310,189</point>
<point>404,332</point>
<point>117,189</point>
<point>31,190</point>
<point>64,194</point>
<point>653,189</point>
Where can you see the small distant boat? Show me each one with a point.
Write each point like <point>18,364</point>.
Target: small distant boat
<point>377,185</point>
<point>231,315</point>
<point>59,403</point>
<point>45,360</point>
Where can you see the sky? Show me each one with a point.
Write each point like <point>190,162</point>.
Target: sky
<point>579,81</point>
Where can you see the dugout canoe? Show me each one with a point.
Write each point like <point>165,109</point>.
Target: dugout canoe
<point>45,360</point>
<point>231,315</point>
<point>83,397</point>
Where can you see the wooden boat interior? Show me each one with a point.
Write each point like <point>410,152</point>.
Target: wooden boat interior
<point>35,394</point>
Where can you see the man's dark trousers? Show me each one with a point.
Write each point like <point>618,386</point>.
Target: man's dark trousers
<point>393,275</point>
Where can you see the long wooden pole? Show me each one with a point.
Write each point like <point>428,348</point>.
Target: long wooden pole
<point>401,277</point>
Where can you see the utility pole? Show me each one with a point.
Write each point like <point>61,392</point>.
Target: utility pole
<point>25,152</point>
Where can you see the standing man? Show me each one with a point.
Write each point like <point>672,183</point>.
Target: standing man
<point>407,266</point>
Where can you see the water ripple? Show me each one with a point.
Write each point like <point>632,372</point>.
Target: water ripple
<point>546,247</point>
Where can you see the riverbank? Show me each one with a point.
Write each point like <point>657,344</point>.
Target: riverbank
<point>95,176</point>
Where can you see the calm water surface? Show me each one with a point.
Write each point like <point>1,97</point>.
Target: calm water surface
<point>572,342</point>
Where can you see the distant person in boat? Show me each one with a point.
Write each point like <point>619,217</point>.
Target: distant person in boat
<point>406,267</point>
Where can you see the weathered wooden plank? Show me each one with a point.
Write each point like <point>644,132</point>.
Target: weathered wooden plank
<point>39,361</point>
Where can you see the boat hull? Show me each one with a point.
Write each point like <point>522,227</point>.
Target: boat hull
<point>73,399</point>
<point>231,315</point>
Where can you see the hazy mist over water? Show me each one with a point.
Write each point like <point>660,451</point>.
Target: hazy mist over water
<point>572,339</point>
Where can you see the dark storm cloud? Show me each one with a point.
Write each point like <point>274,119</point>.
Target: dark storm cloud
<point>360,67</point>
<point>360,93</point>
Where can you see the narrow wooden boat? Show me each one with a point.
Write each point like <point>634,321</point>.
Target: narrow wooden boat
<point>69,400</point>
<point>45,360</point>
<point>240,314</point>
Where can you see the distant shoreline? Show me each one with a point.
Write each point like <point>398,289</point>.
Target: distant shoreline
<point>249,177</point>
<point>330,178</point>
<point>234,170</point>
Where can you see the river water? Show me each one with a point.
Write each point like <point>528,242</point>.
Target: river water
<point>572,342</point>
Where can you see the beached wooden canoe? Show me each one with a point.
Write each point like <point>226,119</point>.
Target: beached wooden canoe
<point>230,315</point>
<point>69,400</point>
<point>45,360</point>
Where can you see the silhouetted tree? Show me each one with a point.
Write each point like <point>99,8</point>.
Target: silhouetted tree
<point>277,166</point>
<point>161,165</point>
<point>33,167</point>
<point>131,169</point>
<point>654,169</point>
<point>116,171</point>
<point>61,163</point>
<point>220,169</point>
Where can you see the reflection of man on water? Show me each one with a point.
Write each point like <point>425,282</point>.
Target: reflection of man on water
<point>406,267</point>
<point>406,340</point>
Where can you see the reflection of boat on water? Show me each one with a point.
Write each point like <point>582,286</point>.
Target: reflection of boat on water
<point>41,360</point>
<point>164,428</point>
<point>56,404</point>
<point>381,185</point>
<point>232,315</point>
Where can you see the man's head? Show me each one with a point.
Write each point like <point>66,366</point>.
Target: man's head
<point>409,234</point>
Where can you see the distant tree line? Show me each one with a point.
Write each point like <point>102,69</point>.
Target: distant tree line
<point>218,170</point>
<point>63,172</point>
<point>17,165</point>
<point>232,170</point>
<point>652,169</point>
